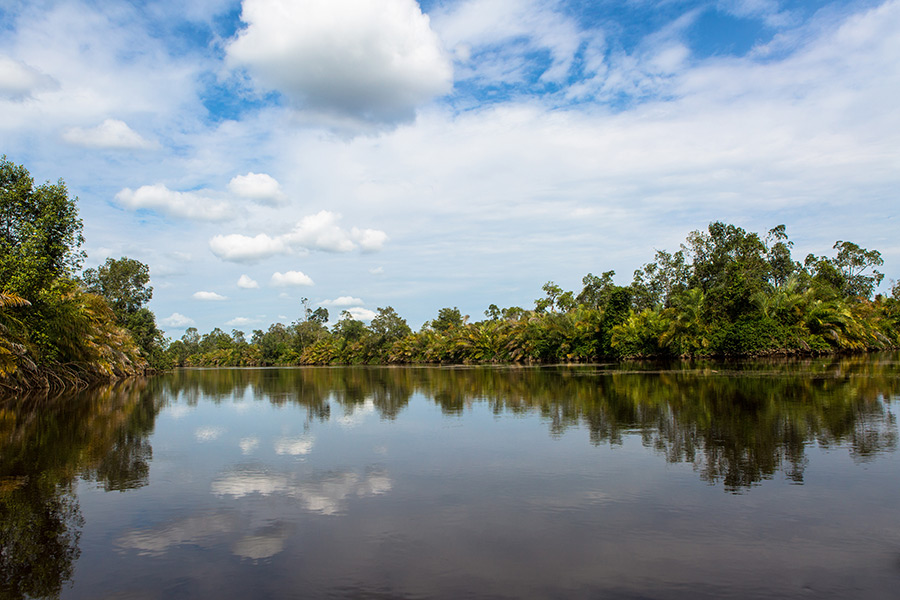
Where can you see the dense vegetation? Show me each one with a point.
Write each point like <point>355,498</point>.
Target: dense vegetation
<point>725,292</point>
<point>55,329</point>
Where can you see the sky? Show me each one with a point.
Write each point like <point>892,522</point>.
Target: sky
<point>446,153</point>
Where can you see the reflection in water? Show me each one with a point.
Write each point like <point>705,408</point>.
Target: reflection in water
<point>324,493</point>
<point>199,530</point>
<point>290,491</point>
<point>737,423</point>
<point>44,444</point>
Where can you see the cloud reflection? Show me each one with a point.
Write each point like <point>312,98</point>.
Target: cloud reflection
<point>265,543</point>
<point>324,493</point>
<point>196,530</point>
<point>249,444</point>
<point>206,531</point>
<point>208,434</point>
<point>298,446</point>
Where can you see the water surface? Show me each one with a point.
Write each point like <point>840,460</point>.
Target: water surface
<point>765,479</point>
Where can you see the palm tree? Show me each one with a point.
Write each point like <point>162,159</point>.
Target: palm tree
<point>687,332</point>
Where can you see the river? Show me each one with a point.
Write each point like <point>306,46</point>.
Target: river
<point>752,479</point>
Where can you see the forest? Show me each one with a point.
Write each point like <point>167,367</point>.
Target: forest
<point>724,292</point>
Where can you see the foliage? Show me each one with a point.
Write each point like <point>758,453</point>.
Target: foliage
<point>725,292</point>
<point>124,284</point>
<point>54,333</point>
<point>40,232</point>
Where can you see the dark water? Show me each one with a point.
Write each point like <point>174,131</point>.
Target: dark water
<point>706,480</point>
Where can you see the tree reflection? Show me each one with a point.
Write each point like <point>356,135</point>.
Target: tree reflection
<point>738,423</point>
<point>45,443</point>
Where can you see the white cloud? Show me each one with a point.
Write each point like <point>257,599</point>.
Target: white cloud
<point>177,321</point>
<point>208,296</point>
<point>111,134</point>
<point>361,314</point>
<point>188,205</point>
<point>245,282</point>
<point>242,248</point>
<point>350,60</point>
<point>19,81</point>
<point>291,278</point>
<point>258,187</point>
<point>241,321</point>
<point>321,231</point>
<point>369,240</point>
<point>343,301</point>
<point>313,232</point>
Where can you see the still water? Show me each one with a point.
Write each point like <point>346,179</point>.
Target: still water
<point>767,479</point>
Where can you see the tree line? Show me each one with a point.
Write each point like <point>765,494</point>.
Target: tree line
<point>724,292</point>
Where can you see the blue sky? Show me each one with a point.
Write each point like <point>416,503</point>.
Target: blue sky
<point>446,153</point>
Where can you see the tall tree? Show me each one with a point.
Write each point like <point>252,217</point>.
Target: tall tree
<point>123,282</point>
<point>40,232</point>
<point>125,285</point>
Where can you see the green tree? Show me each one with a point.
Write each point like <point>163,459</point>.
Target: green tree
<point>125,285</point>
<point>123,282</point>
<point>729,265</point>
<point>493,312</point>
<point>348,328</point>
<point>596,291</point>
<point>851,273</point>
<point>778,254</point>
<point>40,232</point>
<point>447,319</point>
<point>388,325</point>
<point>659,281</point>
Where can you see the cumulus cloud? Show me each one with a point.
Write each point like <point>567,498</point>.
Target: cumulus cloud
<point>177,321</point>
<point>19,81</point>
<point>245,282</point>
<point>361,314</point>
<point>187,205</point>
<point>246,249</point>
<point>291,278</point>
<point>369,240</point>
<point>320,231</point>
<point>342,301</point>
<point>110,134</point>
<point>353,60</point>
<point>208,296</point>
<point>258,187</point>
<point>241,321</point>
